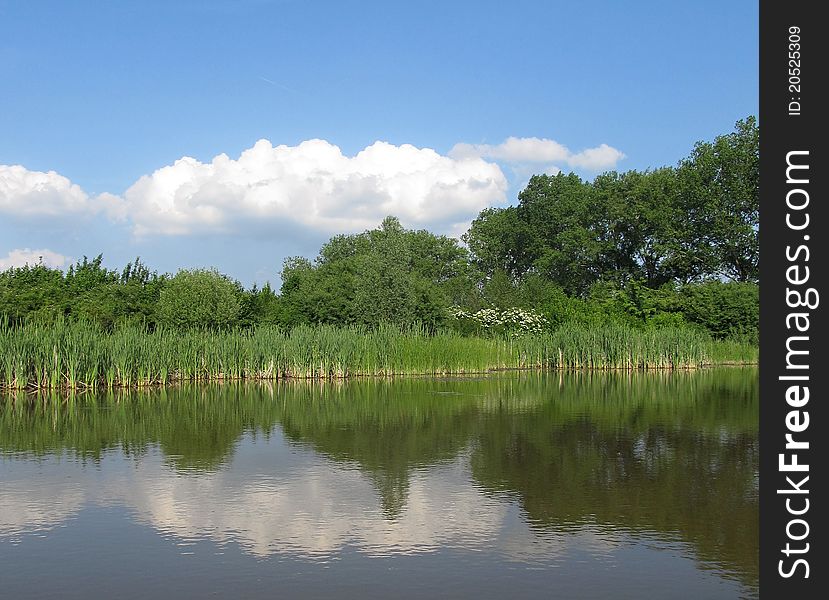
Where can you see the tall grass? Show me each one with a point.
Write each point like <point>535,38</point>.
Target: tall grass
<point>77,355</point>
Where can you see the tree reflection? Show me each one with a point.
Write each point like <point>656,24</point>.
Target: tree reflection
<point>672,456</point>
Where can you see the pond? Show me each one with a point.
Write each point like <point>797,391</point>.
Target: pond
<point>570,485</point>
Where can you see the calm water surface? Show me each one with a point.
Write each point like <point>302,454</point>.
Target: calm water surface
<point>579,485</point>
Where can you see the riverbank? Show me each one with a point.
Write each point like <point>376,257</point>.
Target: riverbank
<point>77,355</point>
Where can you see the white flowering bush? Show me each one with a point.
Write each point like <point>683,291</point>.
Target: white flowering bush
<point>513,321</point>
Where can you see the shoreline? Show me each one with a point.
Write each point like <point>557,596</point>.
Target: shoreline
<point>220,379</point>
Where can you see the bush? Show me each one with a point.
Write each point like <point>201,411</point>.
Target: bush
<point>510,321</point>
<point>560,309</point>
<point>724,309</point>
<point>199,298</point>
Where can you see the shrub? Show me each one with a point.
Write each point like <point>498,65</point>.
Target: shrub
<point>724,309</point>
<point>512,321</point>
<point>202,298</point>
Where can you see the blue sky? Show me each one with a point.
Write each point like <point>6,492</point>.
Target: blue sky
<point>101,101</point>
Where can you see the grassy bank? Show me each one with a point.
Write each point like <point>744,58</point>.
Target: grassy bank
<point>77,355</point>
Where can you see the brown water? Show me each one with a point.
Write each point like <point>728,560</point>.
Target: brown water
<point>570,486</point>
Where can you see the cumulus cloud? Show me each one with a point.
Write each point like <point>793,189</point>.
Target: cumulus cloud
<point>33,194</point>
<point>22,257</point>
<point>595,159</point>
<point>310,188</point>
<point>515,150</point>
<point>314,185</point>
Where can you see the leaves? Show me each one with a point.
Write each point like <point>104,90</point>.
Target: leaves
<point>385,275</point>
<point>199,298</point>
<point>691,223</point>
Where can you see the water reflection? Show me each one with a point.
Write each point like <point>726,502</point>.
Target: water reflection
<point>534,469</point>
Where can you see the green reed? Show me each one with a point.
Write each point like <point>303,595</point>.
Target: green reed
<point>77,355</point>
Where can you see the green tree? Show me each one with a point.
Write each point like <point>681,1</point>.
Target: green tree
<point>550,232</point>
<point>720,199</point>
<point>104,296</point>
<point>686,224</point>
<point>199,298</point>
<point>137,293</point>
<point>723,308</point>
<point>388,274</point>
<point>499,240</point>
<point>89,291</point>
<point>318,293</point>
<point>32,292</point>
<point>260,305</point>
<point>559,211</point>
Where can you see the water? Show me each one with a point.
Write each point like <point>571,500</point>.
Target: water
<point>578,485</point>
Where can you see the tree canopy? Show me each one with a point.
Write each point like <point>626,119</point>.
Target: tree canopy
<point>199,297</point>
<point>388,274</point>
<point>691,223</point>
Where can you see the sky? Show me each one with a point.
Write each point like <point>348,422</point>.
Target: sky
<point>233,134</point>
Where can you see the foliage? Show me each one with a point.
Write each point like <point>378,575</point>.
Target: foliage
<point>671,225</point>
<point>386,275</point>
<point>32,293</point>
<point>199,298</point>
<point>512,321</point>
<point>719,193</point>
<point>724,309</point>
<point>87,291</point>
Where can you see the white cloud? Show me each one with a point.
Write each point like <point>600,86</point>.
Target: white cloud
<point>25,256</point>
<point>27,193</point>
<point>515,150</point>
<point>596,159</point>
<point>311,188</point>
<point>314,185</point>
<point>34,194</point>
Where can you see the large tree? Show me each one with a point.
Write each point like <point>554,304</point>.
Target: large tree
<point>548,232</point>
<point>691,223</point>
<point>385,275</point>
<point>720,197</point>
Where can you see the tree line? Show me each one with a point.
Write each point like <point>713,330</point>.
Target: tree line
<point>674,245</point>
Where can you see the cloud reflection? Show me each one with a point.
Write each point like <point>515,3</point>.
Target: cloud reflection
<point>311,508</point>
